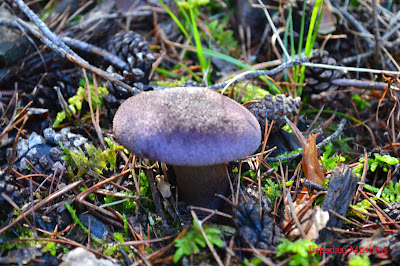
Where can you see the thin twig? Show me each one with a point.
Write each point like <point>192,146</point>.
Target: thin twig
<point>40,204</point>
<point>210,246</point>
<point>320,145</point>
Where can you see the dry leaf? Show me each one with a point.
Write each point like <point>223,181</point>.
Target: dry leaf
<point>311,167</point>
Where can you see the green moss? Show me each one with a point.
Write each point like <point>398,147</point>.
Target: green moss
<point>76,102</point>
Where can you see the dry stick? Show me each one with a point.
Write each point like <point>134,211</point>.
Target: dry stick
<point>256,74</point>
<point>376,32</point>
<point>12,203</point>
<point>357,25</point>
<point>294,216</point>
<point>236,198</point>
<point>140,242</point>
<point>271,23</point>
<point>95,122</point>
<point>156,196</point>
<point>319,146</point>
<point>363,84</point>
<point>81,197</point>
<point>379,209</point>
<point>345,219</point>
<point>90,48</point>
<point>40,204</point>
<point>157,254</point>
<point>43,28</point>
<point>14,148</point>
<point>12,124</point>
<point>363,177</point>
<point>210,246</point>
<point>76,60</point>
<point>267,132</point>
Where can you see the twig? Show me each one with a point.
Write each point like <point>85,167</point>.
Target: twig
<point>210,246</point>
<point>363,177</point>
<point>255,74</point>
<point>357,25</point>
<point>155,194</point>
<point>40,204</point>
<point>90,48</point>
<point>319,146</point>
<point>57,45</point>
<point>363,84</point>
<point>114,16</point>
<point>271,23</point>
<point>376,32</point>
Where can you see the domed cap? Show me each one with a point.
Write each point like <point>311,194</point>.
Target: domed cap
<point>186,126</point>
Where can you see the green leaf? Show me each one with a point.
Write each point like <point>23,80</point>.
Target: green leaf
<point>192,239</point>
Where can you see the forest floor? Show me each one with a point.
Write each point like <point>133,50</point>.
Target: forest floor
<point>323,87</point>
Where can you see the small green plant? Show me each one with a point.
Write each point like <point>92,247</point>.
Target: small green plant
<point>21,232</point>
<point>53,247</point>
<point>361,206</point>
<point>390,193</point>
<point>276,164</point>
<point>271,189</point>
<point>382,161</point>
<point>114,248</point>
<point>250,91</point>
<point>299,72</point>
<point>128,204</point>
<point>360,102</point>
<point>332,161</point>
<point>301,251</point>
<point>190,11</point>
<point>253,261</point>
<point>74,216</point>
<point>193,238</point>
<point>358,260</point>
<point>96,159</point>
<point>76,102</point>
<point>224,37</point>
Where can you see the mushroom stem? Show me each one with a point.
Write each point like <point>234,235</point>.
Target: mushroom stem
<point>198,185</point>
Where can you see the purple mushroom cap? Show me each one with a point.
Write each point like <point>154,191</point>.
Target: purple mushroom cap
<point>186,126</point>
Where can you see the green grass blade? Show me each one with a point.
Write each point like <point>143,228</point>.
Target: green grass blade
<point>196,35</point>
<point>172,15</point>
<point>311,37</point>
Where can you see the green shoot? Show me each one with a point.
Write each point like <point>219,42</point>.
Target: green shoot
<point>381,161</point>
<point>72,211</point>
<point>360,102</point>
<point>360,260</point>
<point>389,194</point>
<point>176,20</point>
<point>271,189</point>
<point>76,102</point>
<point>192,239</point>
<point>329,161</point>
<point>311,37</point>
<point>361,206</point>
<point>96,159</point>
<point>300,251</point>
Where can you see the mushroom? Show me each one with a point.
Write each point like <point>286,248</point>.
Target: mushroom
<point>194,129</point>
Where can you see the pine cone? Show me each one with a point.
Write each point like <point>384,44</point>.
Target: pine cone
<point>132,48</point>
<point>15,193</point>
<point>44,152</point>
<point>274,108</point>
<point>319,79</point>
<point>393,210</point>
<point>261,232</point>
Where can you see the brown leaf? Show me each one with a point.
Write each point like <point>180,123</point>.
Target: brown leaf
<point>311,167</point>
